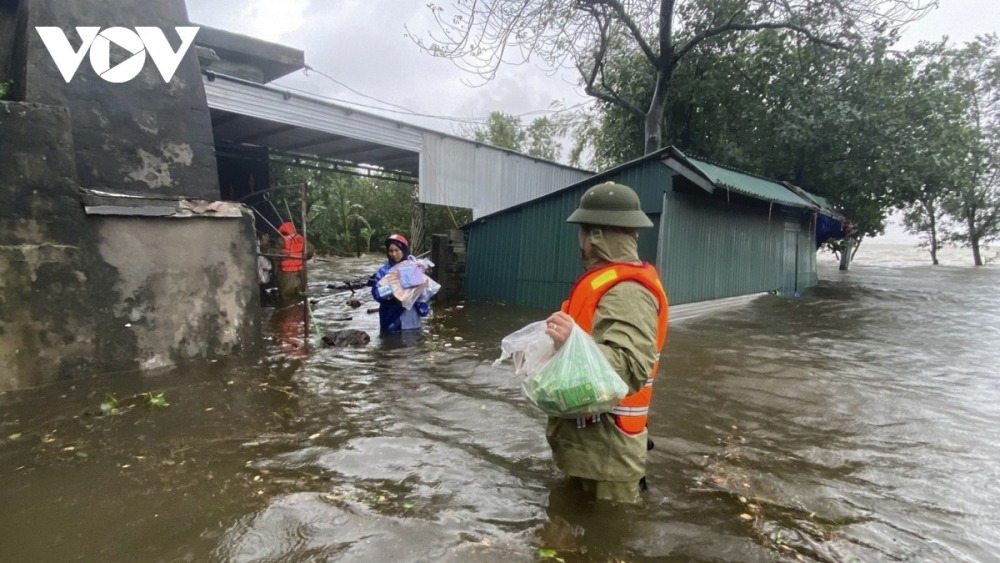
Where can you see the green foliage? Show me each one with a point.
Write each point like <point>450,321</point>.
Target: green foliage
<point>501,130</point>
<point>348,213</point>
<point>545,553</point>
<point>869,128</point>
<point>974,202</point>
<point>110,404</point>
<point>6,89</point>
<point>539,139</point>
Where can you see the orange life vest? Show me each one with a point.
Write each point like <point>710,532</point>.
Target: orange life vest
<point>293,245</point>
<point>633,411</point>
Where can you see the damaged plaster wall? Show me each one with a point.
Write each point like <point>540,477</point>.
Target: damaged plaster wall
<point>174,315</point>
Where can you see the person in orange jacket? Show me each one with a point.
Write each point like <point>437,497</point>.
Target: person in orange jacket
<point>620,302</point>
<point>291,282</point>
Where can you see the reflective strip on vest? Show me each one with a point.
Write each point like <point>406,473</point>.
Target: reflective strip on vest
<point>632,412</point>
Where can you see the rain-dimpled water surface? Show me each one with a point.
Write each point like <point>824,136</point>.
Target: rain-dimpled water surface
<point>854,423</point>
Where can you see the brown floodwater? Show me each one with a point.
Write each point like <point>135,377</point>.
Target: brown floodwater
<point>854,423</point>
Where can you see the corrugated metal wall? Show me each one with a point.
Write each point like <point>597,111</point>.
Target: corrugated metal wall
<point>807,254</point>
<point>530,255</point>
<point>712,250</point>
<point>485,179</point>
<point>527,256</point>
<point>709,250</point>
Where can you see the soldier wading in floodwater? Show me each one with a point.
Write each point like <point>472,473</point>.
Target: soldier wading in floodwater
<point>620,302</point>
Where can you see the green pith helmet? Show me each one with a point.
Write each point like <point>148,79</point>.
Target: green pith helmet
<point>612,205</point>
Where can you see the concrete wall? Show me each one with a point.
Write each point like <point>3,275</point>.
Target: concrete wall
<point>143,136</point>
<point>82,294</point>
<point>92,282</point>
<point>53,282</point>
<point>188,304</point>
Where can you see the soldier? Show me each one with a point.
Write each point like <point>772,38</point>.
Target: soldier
<point>620,302</point>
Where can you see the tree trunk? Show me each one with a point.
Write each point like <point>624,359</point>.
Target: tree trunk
<point>977,258</point>
<point>846,255</point>
<point>970,221</point>
<point>934,241</point>
<point>654,117</point>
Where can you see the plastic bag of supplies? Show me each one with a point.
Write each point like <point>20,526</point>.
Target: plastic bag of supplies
<point>529,348</point>
<point>408,282</point>
<point>573,382</point>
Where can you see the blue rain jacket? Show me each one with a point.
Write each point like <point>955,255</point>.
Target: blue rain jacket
<point>392,316</point>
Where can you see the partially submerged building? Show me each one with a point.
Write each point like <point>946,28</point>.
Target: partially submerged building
<point>719,235</point>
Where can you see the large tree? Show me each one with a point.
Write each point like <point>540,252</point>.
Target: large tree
<point>975,203</point>
<point>936,145</point>
<point>481,35</point>
<point>773,103</point>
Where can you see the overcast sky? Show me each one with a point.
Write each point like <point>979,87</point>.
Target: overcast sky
<point>363,45</point>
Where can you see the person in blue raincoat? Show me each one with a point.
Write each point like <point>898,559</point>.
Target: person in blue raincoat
<point>392,316</point>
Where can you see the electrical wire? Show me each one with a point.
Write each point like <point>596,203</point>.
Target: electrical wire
<point>407,111</point>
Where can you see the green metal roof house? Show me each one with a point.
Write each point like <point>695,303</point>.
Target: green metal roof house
<point>717,234</point>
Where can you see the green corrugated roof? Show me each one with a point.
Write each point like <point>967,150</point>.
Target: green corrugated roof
<point>746,184</point>
<point>824,203</point>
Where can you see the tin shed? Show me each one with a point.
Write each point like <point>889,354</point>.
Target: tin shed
<point>718,233</point>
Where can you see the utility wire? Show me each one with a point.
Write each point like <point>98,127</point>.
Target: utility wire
<point>407,111</point>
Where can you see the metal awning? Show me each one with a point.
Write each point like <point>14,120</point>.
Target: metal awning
<point>247,114</point>
<point>449,170</point>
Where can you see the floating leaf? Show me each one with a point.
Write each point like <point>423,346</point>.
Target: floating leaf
<point>157,400</point>
<point>110,404</point>
<point>550,554</point>
<point>746,516</point>
<point>407,505</point>
<point>15,437</point>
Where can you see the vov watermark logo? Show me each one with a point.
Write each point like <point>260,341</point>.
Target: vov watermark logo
<point>98,42</point>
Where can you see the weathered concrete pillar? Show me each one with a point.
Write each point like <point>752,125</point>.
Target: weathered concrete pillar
<point>142,136</point>
<point>55,289</point>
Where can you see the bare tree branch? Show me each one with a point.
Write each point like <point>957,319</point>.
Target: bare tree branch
<point>708,33</point>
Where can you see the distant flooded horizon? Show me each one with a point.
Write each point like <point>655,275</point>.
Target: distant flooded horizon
<point>903,255</point>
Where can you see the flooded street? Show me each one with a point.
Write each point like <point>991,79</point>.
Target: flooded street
<point>855,423</point>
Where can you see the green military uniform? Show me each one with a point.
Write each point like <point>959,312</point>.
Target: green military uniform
<point>608,461</point>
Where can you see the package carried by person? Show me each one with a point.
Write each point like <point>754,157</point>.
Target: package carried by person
<point>408,282</point>
<point>573,382</point>
<point>529,348</point>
